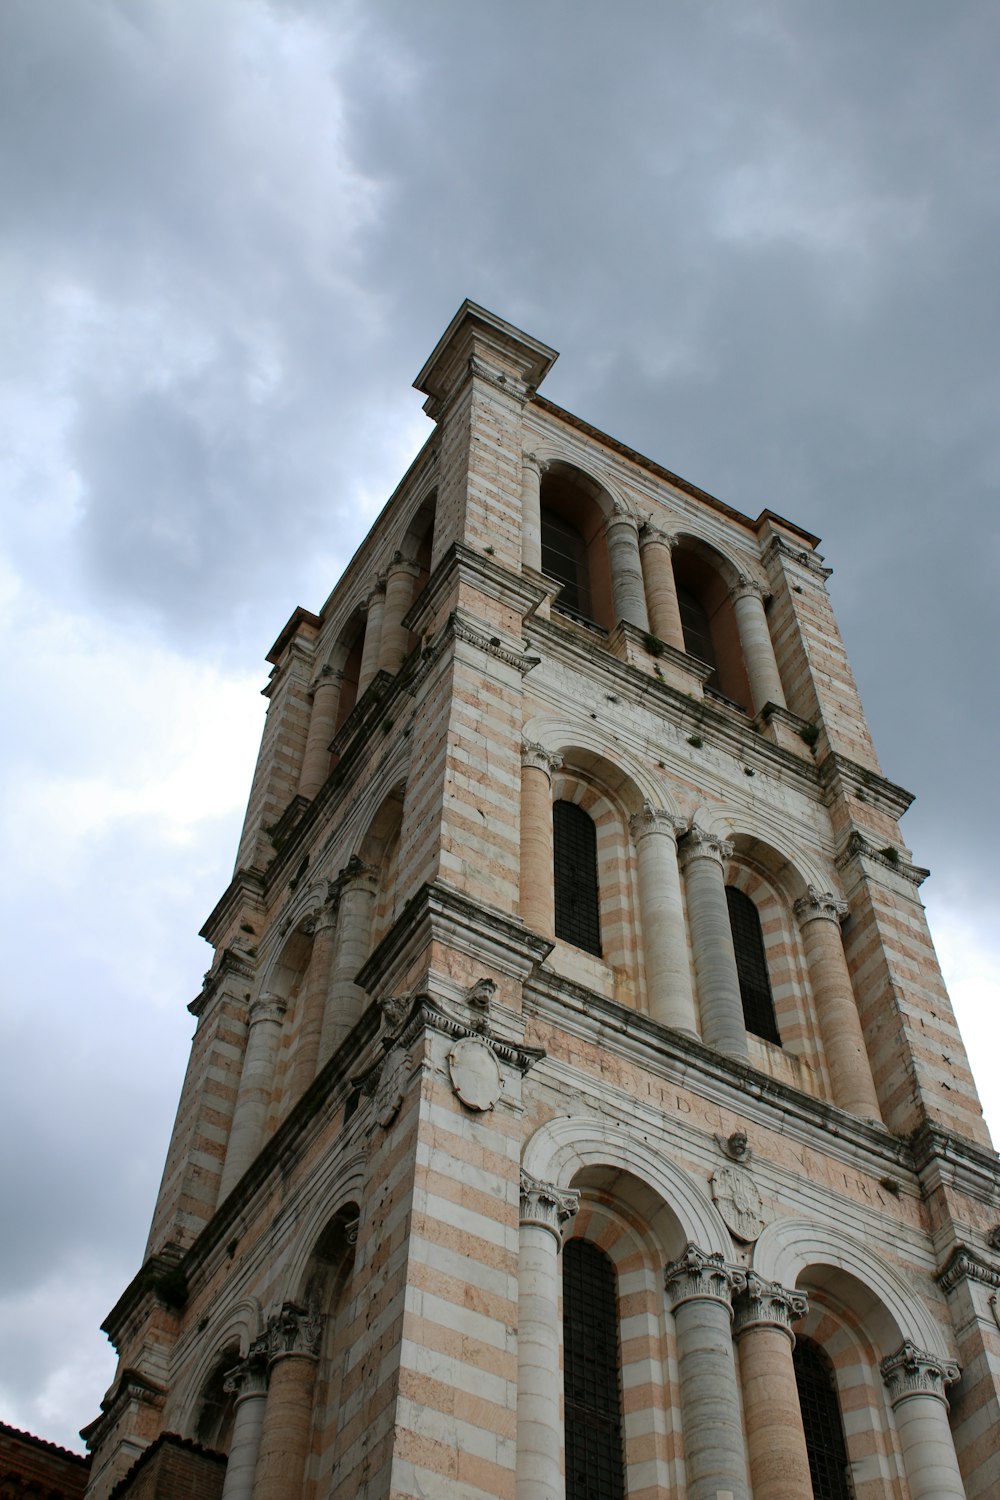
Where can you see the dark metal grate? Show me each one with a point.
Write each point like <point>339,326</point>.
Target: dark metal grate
<point>564,558</point>
<point>698,633</point>
<point>595,1467</point>
<point>824,1430</point>
<point>574,845</point>
<point>751,966</point>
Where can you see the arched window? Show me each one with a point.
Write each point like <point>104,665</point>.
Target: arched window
<point>564,558</point>
<point>577,908</point>
<point>595,1468</point>
<point>751,966</point>
<point>822,1422</point>
<point>698,632</point>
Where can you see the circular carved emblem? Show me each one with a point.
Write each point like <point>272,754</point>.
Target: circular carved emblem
<point>738,1200</point>
<point>475,1074</point>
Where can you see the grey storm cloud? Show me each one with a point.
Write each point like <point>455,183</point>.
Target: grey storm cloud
<point>764,238</point>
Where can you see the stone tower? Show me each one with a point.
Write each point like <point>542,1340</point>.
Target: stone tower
<point>575,1106</point>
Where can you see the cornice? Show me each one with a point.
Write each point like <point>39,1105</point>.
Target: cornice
<point>246,889</point>
<point>780,546</point>
<point>843,777</point>
<point>466,565</point>
<point>964,1264</point>
<point>858,847</point>
<point>970,1169</point>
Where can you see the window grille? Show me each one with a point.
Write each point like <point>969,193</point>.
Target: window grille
<point>595,1468</point>
<point>821,1420</point>
<point>698,633</point>
<point>574,845</point>
<point>564,558</point>
<point>751,966</point>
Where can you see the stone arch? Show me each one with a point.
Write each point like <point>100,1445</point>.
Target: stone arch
<point>583,1149</point>
<point>705,578</point>
<point>757,840</point>
<point>622,776</point>
<point>228,1338</point>
<point>571,496</point>
<point>338,1185</point>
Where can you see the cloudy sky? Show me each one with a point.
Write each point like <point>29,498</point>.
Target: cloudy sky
<point>764,237</point>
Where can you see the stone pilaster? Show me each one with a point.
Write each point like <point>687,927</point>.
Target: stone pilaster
<point>531,512</point>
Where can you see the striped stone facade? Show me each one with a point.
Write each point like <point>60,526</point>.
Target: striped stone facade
<point>407,1090</point>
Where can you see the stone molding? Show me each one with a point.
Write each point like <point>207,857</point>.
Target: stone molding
<point>779,547</point>
<point>294,1331</point>
<point>535,757</point>
<point>426,1013</point>
<point>698,844</point>
<point>656,820</point>
<point>267,1007</point>
<point>514,388</point>
<point>858,846</point>
<point>249,1377</point>
<point>379,588</point>
<point>768,1304</point>
<point>913,1372</point>
<point>699,1277</point>
<point>546,1206</point>
<point>650,535</point>
<point>491,644</point>
<point>819,903</point>
<point>749,588</point>
<point>965,1265</point>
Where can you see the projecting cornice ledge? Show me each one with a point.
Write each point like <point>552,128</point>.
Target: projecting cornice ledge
<point>846,778</point>
<point>888,857</point>
<point>965,1265</point>
<point>461,564</point>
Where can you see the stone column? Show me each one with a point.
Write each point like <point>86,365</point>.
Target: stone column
<point>531,512</point>
<point>721,1006</point>
<point>664,939</point>
<point>819,915</point>
<point>544,1209</point>
<point>357,887</point>
<point>399,585</point>
<point>248,1381</point>
<point>776,1442</point>
<point>661,588</point>
<point>755,639</point>
<point>537,900</point>
<point>700,1289</point>
<point>314,1000</point>
<point>293,1342</point>
<point>373,636</point>
<point>267,1015</point>
<point>916,1384</point>
<point>322,722</point>
<point>628,592</point>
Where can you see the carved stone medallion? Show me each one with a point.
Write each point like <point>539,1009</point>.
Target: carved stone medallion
<point>475,1074</point>
<point>736,1196</point>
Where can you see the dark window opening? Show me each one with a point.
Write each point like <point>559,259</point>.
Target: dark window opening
<point>564,559</point>
<point>595,1468</point>
<point>698,633</point>
<point>751,966</point>
<point>577,901</point>
<point>824,1430</point>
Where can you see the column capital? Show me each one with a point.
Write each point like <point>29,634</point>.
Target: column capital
<point>650,535</point>
<point>913,1372</point>
<point>400,563</point>
<point>325,916</point>
<point>700,1277</point>
<point>249,1377</point>
<point>656,820</point>
<point>619,516</point>
<point>545,1205</point>
<point>267,1007</point>
<point>293,1331</point>
<point>817,903</point>
<point>327,676</point>
<point>536,758</point>
<point>356,876</point>
<point>533,462</point>
<point>748,588</point>
<point>377,590</point>
<point>768,1304</point>
<point>699,844</point>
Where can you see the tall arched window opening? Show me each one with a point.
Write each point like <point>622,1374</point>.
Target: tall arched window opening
<point>698,633</point>
<point>708,621</point>
<point>577,898</point>
<point>574,547</point>
<point>595,1468</point>
<point>564,559</point>
<point>751,966</point>
<point>821,1421</point>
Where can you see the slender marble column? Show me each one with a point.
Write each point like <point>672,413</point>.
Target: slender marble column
<point>253,1100</point>
<point>664,939</point>
<point>537,902</point>
<point>628,592</point>
<point>531,512</point>
<point>399,585</point>
<point>758,650</point>
<point>544,1210</point>
<point>293,1340</point>
<point>721,1006</point>
<point>916,1384</point>
<point>248,1381</point>
<point>819,915</point>
<point>357,887</point>
<point>661,587</point>
<point>373,636</point>
<point>700,1288</point>
<point>322,722</point>
<point>314,1000</point>
<point>776,1441</point>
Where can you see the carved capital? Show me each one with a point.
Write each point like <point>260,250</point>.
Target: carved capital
<point>249,1377</point>
<point>655,536</point>
<point>621,516</point>
<point>535,464</point>
<point>655,820</point>
<point>356,876</point>
<point>912,1372</point>
<point>400,563</point>
<point>267,1007</point>
<point>749,588</point>
<point>377,593</point>
<point>820,904</point>
<point>698,844</point>
<point>537,758</point>
<point>699,1277</point>
<point>768,1304</point>
<point>326,677</point>
<point>294,1331</point>
<point>547,1206</point>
